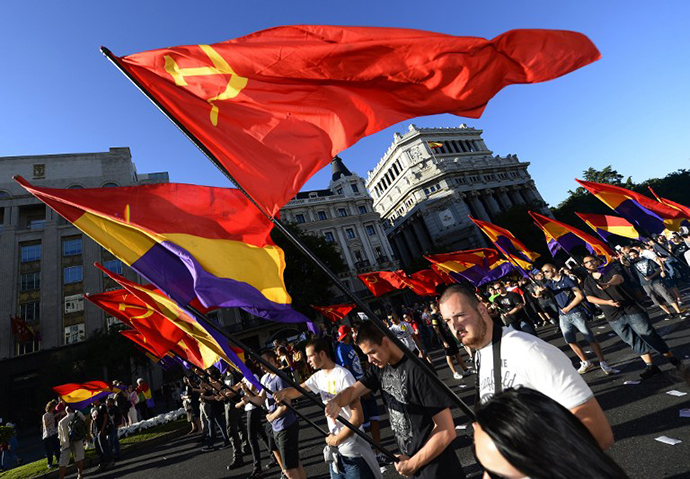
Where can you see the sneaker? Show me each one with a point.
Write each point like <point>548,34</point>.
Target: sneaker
<point>650,371</point>
<point>468,372</point>
<point>675,361</point>
<point>208,448</point>
<point>456,375</point>
<point>236,463</point>
<point>606,368</point>
<point>272,462</point>
<point>382,459</point>
<point>256,474</point>
<point>585,367</point>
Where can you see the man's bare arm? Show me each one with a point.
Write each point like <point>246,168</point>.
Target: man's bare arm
<point>592,416</point>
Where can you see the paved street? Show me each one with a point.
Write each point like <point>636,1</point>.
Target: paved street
<point>638,414</point>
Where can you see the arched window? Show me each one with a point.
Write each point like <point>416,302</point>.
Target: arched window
<point>76,187</point>
<point>110,185</point>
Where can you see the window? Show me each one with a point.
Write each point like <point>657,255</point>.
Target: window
<point>426,191</point>
<point>300,218</point>
<point>30,281</point>
<point>114,265</point>
<point>30,312</point>
<point>113,323</point>
<point>37,224</point>
<point>74,333</point>
<point>75,187</point>
<point>329,236</point>
<point>73,274</point>
<point>110,185</point>
<point>432,188</point>
<point>342,212</point>
<point>355,188</point>
<point>74,303</point>
<point>31,253</point>
<point>322,215</point>
<point>438,187</point>
<point>339,191</point>
<point>370,230</point>
<point>362,210</point>
<point>350,233</point>
<point>71,247</point>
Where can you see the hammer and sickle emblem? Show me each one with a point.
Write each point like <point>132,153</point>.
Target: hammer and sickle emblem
<point>148,310</point>
<point>372,279</point>
<point>220,67</point>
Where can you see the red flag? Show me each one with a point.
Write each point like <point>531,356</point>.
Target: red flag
<point>160,333</point>
<point>137,338</point>
<point>447,279</point>
<point>276,106</point>
<point>682,208</point>
<point>382,282</point>
<point>420,285</point>
<point>22,332</point>
<point>335,312</point>
<point>429,278</point>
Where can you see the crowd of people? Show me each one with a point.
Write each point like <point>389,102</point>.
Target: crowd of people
<point>529,395</point>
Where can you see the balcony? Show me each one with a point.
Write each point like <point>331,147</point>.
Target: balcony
<point>363,266</point>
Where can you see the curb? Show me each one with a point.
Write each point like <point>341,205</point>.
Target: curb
<point>72,468</point>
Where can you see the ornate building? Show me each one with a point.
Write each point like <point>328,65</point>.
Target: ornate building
<point>343,214</point>
<point>431,179</point>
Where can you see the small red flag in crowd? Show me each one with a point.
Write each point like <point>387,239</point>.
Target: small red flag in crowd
<point>335,312</point>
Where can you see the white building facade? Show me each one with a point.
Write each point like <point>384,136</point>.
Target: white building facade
<point>431,180</point>
<point>344,215</point>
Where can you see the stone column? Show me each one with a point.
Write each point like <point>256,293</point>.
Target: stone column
<point>52,305</point>
<point>342,243</point>
<point>505,199</point>
<point>384,240</point>
<point>412,243</point>
<point>421,235</point>
<point>516,196</point>
<point>494,209</point>
<point>479,207</point>
<point>405,254</point>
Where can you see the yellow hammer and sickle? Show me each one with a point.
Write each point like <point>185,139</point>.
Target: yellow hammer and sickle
<point>220,67</point>
<point>373,279</point>
<point>149,310</point>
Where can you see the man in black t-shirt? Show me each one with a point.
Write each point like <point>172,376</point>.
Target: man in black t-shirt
<point>419,411</point>
<point>513,310</point>
<point>627,319</point>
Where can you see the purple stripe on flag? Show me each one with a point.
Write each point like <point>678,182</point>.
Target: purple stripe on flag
<point>87,402</point>
<point>508,247</point>
<point>553,247</point>
<point>497,273</point>
<point>640,216</point>
<point>176,272</point>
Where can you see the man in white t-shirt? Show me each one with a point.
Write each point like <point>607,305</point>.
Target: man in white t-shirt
<point>525,360</point>
<point>354,456</point>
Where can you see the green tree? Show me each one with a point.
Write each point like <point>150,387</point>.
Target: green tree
<point>518,221</point>
<point>306,283</point>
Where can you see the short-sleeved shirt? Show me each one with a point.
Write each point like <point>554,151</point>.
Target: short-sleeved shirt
<point>274,383</point>
<point>530,362</point>
<point>49,426</point>
<point>412,400</point>
<point>347,357</point>
<point>404,331</point>
<point>563,292</point>
<point>509,301</point>
<point>327,384</point>
<point>618,293</point>
<point>646,267</point>
<point>443,330</point>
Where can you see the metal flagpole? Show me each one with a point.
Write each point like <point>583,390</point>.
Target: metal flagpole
<point>363,306</point>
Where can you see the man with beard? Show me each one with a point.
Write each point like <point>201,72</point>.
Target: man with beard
<point>418,409</point>
<point>507,358</point>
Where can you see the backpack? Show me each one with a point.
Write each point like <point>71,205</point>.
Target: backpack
<point>76,429</point>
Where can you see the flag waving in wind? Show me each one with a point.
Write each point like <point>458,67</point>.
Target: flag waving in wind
<point>605,226</point>
<point>212,344</point>
<point>509,245</point>
<point>682,208</point>
<point>335,312</point>
<point>276,106</point>
<point>570,238</point>
<point>478,266</point>
<point>80,396</point>
<point>648,215</point>
<point>192,242</point>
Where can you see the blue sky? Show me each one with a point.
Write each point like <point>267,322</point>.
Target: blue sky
<point>58,93</point>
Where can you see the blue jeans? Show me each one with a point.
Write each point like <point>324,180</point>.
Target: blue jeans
<point>636,330</point>
<point>573,322</point>
<point>114,443</point>
<point>103,448</point>
<point>352,468</point>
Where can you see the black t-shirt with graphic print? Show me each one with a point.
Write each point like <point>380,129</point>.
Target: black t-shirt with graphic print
<point>509,301</point>
<point>412,400</point>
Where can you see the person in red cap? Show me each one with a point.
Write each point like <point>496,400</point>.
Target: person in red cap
<point>347,357</point>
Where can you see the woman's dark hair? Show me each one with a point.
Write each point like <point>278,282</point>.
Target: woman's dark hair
<point>542,439</point>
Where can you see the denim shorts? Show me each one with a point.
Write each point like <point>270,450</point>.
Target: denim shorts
<point>573,322</point>
<point>636,330</point>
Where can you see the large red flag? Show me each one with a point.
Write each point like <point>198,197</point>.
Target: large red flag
<point>429,278</point>
<point>382,282</point>
<point>22,331</point>
<point>335,312</point>
<point>275,106</point>
<point>447,279</point>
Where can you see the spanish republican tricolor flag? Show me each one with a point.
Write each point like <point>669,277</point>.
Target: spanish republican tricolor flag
<point>80,396</point>
<point>682,208</point>
<point>647,214</point>
<point>606,225</point>
<point>276,106</point>
<point>478,266</point>
<point>570,238</point>
<point>508,244</point>
<point>190,241</point>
